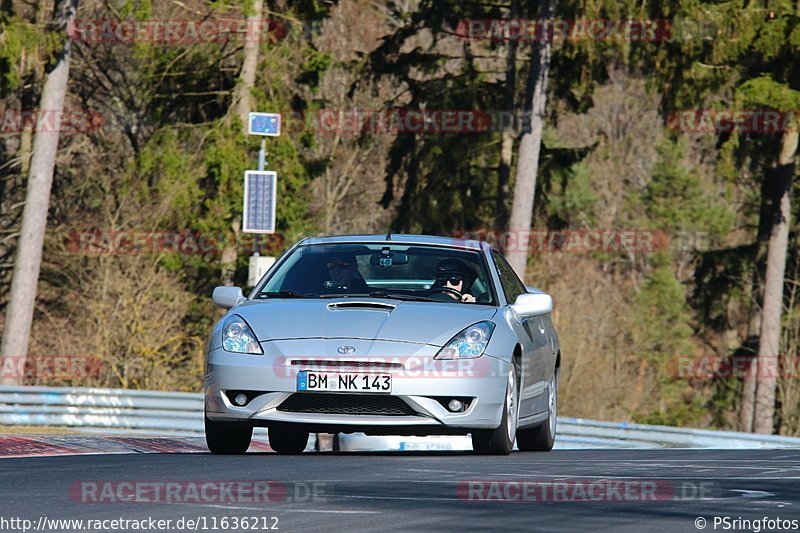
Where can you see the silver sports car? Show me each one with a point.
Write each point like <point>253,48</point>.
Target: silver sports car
<point>386,335</point>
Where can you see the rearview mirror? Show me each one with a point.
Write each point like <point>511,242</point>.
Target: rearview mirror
<point>533,304</point>
<point>388,259</point>
<point>227,297</point>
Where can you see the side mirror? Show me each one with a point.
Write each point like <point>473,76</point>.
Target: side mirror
<point>227,297</point>
<point>533,304</point>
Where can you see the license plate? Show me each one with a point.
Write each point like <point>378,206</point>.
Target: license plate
<point>308,380</point>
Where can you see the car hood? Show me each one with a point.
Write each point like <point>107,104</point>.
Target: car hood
<point>363,318</point>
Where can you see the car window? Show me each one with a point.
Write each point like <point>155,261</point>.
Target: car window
<point>413,272</point>
<point>512,286</point>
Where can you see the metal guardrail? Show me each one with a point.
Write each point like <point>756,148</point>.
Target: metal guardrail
<point>101,408</point>
<point>167,412</point>
<point>639,435</point>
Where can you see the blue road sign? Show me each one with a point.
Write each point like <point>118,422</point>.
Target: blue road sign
<point>268,124</point>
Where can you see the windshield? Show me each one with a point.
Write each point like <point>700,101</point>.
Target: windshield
<point>383,270</point>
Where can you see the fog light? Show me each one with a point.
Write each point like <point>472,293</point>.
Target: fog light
<point>240,399</point>
<point>455,405</point>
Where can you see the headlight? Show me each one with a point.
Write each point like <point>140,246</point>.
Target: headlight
<point>468,344</point>
<point>237,337</point>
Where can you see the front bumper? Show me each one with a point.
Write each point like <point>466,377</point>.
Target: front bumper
<point>418,380</point>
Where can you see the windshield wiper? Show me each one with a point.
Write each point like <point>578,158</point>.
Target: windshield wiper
<point>282,294</point>
<point>401,296</point>
<point>378,294</point>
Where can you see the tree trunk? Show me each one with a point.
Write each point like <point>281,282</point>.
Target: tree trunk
<point>22,297</point>
<point>229,254</point>
<point>242,94</point>
<point>241,106</point>
<point>529,147</point>
<point>28,99</point>
<point>507,146</point>
<point>769,340</point>
<point>748,409</point>
<point>749,348</point>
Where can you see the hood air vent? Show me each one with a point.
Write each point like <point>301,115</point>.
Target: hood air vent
<point>375,306</point>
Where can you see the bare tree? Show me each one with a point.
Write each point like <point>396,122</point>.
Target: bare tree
<point>530,144</point>
<point>242,94</point>
<point>507,146</point>
<point>28,96</point>
<point>241,107</point>
<point>22,297</point>
<point>747,410</point>
<point>769,340</point>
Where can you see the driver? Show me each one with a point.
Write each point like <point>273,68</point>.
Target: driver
<point>344,275</point>
<point>454,274</point>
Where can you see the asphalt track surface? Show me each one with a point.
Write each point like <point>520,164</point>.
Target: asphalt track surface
<point>425,491</point>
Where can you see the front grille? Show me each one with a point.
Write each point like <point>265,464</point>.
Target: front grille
<point>346,404</point>
<point>340,364</point>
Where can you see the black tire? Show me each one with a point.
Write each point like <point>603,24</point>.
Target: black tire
<point>287,440</point>
<point>542,438</point>
<point>500,441</point>
<point>228,438</point>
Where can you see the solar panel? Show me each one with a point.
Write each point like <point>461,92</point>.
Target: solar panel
<point>268,124</point>
<point>260,190</point>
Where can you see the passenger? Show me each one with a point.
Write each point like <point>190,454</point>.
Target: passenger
<point>344,275</point>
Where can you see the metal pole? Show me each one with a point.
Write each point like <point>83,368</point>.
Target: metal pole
<point>262,154</point>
